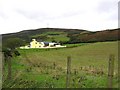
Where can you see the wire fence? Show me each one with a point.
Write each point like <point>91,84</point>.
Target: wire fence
<point>54,76</point>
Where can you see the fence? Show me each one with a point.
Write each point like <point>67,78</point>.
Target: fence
<point>55,76</point>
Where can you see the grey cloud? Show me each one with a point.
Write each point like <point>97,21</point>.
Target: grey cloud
<point>43,16</point>
<point>37,15</point>
<point>106,6</point>
<point>114,16</point>
<point>73,13</point>
<point>3,15</point>
<point>32,14</point>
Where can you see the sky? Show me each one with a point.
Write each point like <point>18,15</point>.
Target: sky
<point>92,15</point>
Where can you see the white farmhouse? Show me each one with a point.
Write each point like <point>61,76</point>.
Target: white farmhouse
<point>36,44</point>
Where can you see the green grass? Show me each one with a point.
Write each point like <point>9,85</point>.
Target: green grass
<point>37,65</point>
<point>86,54</point>
<point>54,33</point>
<point>53,36</point>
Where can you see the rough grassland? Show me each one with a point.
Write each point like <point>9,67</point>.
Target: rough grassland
<point>38,64</point>
<point>96,54</point>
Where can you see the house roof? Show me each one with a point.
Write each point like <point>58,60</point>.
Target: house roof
<point>49,42</point>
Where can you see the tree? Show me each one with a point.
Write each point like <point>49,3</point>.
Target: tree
<point>9,50</point>
<point>13,43</point>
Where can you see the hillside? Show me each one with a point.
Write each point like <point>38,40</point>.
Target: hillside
<point>63,36</point>
<point>27,34</point>
<point>42,34</point>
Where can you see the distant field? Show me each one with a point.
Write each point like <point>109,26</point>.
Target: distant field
<point>47,67</point>
<point>90,52</point>
<point>53,36</point>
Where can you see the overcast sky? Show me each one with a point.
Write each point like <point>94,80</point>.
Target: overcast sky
<point>93,15</point>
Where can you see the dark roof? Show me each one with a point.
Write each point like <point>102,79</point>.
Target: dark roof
<point>46,42</point>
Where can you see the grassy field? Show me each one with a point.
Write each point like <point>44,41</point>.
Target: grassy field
<point>46,68</point>
<point>53,36</point>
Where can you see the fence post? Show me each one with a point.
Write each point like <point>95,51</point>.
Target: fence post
<point>9,68</point>
<point>118,71</point>
<point>3,67</point>
<point>68,72</point>
<point>111,70</point>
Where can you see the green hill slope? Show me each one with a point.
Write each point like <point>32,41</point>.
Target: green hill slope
<point>62,35</point>
<point>88,53</point>
<point>47,68</point>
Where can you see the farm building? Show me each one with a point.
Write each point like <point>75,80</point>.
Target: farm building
<point>36,44</point>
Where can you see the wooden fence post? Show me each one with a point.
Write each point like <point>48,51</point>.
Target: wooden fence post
<point>118,71</point>
<point>111,70</point>
<point>9,68</point>
<point>1,67</point>
<point>68,72</point>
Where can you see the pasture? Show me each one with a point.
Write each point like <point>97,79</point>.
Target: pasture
<point>53,36</point>
<point>46,68</point>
